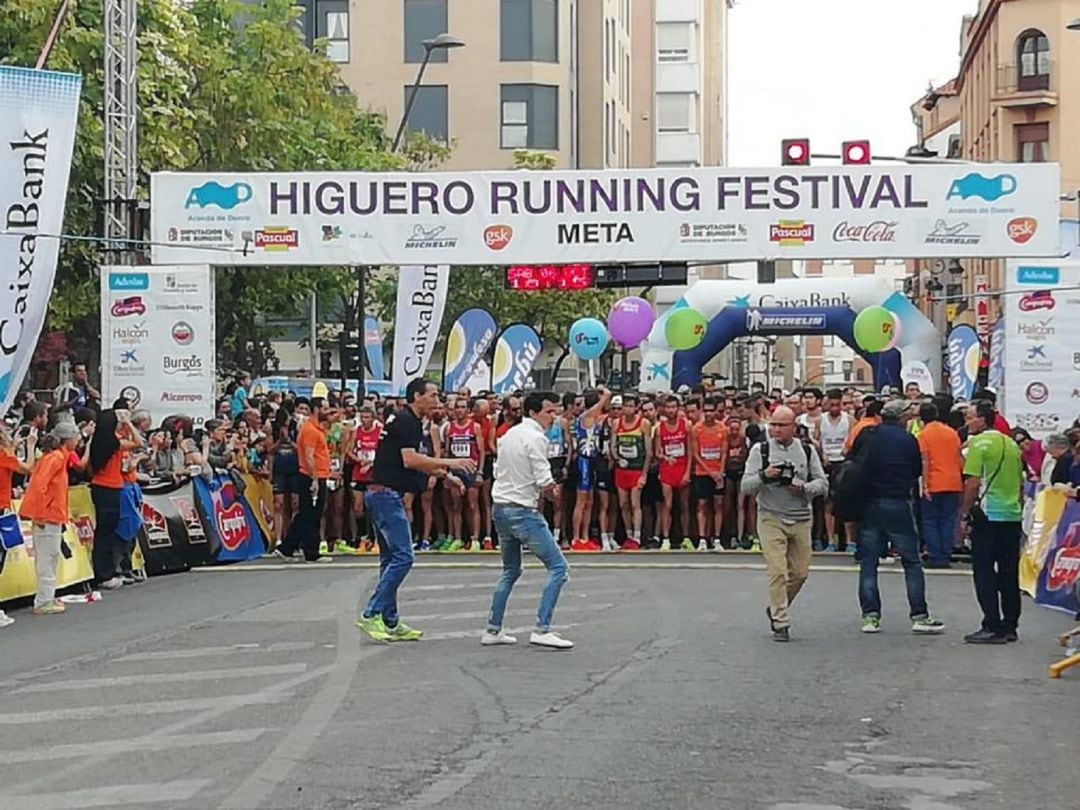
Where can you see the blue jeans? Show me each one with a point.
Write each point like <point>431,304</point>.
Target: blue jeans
<point>386,511</point>
<point>517,525</point>
<point>886,522</point>
<point>939,516</point>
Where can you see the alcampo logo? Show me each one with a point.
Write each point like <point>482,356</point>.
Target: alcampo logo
<point>1038,275</point>
<point>213,193</point>
<point>129,281</point>
<point>985,188</point>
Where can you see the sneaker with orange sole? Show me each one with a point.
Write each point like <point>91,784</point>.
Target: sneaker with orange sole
<point>488,545</point>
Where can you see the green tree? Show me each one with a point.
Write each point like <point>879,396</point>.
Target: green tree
<point>222,87</point>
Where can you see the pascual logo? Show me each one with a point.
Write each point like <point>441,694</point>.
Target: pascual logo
<point>132,305</point>
<point>496,237</point>
<point>183,333</point>
<point>277,239</point>
<point>952,233</point>
<point>190,366</point>
<point>219,196</point>
<point>692,232</point>
<point>132,335</point>
<point>1045,276</point>
<point>129,281</point>
<point>1036,301</point>
<point>594,233</point>
<point>791,233</point>
<point>876,231</point>
<point>985,188</point>
<point>1037,393</point>
<point>431,238</point>
<point>1039,330</point>
<point>1021,229</point>
<point>1036,359</point>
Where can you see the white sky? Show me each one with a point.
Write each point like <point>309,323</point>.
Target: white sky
<point>835,70</point>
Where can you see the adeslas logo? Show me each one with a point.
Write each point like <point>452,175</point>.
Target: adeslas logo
<point>1038,275</point>
<point>129,281</point>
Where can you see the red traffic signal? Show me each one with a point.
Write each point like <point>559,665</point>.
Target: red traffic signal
<point>855,153</point>
<point>795,152</point>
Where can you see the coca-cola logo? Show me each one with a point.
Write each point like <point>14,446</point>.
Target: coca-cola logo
<point>84,530</point>
<point>1064,568</point>
<point>232,526</point>
<point>877,231</point>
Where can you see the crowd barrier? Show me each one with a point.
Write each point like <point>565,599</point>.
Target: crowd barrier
<point>1050,562</point>
<point>191,523</point>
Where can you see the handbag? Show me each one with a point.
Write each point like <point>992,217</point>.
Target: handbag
<point>976,515</point>
<point>11,535</point>
<point>852,489</point>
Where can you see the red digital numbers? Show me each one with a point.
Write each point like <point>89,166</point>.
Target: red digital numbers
<point>533,277</point>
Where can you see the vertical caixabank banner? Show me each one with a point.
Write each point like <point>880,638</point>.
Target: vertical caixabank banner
<point>158,344</point>
<point>38,114</point>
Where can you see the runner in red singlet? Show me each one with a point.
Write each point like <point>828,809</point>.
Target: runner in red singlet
<point>673,450</point>
<point>465,440</point>
<point>362,454</point>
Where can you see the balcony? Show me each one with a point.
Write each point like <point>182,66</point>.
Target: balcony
<point>678,77</point>
<point>1013,90</point>
<point>678,147</point>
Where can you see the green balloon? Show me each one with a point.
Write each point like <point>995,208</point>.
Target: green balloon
<point>874,329</point>
<point>685,329</point>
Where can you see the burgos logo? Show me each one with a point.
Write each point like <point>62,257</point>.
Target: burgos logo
<point>496,237</point>
<point>129,281</point>
<point>985,188</point>
<point>1038,275</point>
<point>223,197</point>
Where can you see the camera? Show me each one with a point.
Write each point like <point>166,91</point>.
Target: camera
<point>787,474</point>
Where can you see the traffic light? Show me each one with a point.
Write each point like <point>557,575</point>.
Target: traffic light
<point>351,353</point>
<point>855,153</point>
<point>795,152</point>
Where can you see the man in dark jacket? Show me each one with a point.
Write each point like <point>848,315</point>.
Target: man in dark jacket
<point>892,464</point>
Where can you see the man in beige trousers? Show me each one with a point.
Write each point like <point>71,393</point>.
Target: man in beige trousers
<point>786,476</point>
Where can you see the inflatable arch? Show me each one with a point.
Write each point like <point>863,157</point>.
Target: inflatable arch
<point>799,306</point>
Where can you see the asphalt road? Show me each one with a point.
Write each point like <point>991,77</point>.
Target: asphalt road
<point>250,688</point>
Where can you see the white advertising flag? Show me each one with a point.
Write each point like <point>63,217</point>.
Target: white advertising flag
<point>158,345</point>
<point>707,213</point>
<point>421,299</point>
<point>38,113</point>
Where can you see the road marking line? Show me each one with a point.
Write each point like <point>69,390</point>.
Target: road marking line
<point>483,614</point>
<point>164,677</point>
<point>130,746</point>
<point>477,633</point>
<point>576,565</point>
<point>138,709</point>
<point>199,652</point>
<point>518,594</point>
<point>112,796</point>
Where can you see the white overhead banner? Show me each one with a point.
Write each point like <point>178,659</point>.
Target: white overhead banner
<point>38,113</point>
<point>1042,353</point>
<point>421,299</point>
<point>158,345</point>
<point>712,213</point>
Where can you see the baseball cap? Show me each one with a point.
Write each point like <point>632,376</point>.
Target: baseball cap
<point>896,408</point>
<point>616,401</point>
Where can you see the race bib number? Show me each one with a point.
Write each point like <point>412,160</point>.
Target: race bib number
<point>710,453</point>
<point>335,465</point>
<point>628,451</point>
<point>676,450</point>
<point>367,456</point>
<point>555,450</point>
<point>460,449</point>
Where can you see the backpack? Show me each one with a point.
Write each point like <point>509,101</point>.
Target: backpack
<point>852,487</point>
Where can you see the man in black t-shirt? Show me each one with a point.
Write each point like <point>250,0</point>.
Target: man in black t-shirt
<point>400,467</point>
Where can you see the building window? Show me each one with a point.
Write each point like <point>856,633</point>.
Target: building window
<point>529,116</point>
<point>333,26</point>
<point>1033,143</point>
<point>609,48</point>
<point>1033,60</point>
<point>673,42</point>
<point>430,111</point>
<point>529,30</point>
<point>860,374</point>
<point>847,366</point>
<point>828,368</point>
<point>424,19</point>
<point>674,112</point>
<point>829,341</point>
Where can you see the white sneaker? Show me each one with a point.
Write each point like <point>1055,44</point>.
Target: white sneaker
<point>702,545</point>
<point>113,584</point>
<point>609,544</point>
<point>490,639</point>
<point>320,560</point>
<point>5,620</point>
<point>550,639</point>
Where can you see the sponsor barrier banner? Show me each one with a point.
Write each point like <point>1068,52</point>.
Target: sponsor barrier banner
<point>259,495</point>
<point>421,299</point>
<point>516,352</point>
<point>1041,352</point>
<point>158,343</point>
<point>1050,562</point>
<point>38,114</point>
<point>373,348</point>
<point>469,339</point>
<point>173,538</point>
<point>670,214</point>
<point>964,352</point>
<point>996,375</point>
<point>230,525</point>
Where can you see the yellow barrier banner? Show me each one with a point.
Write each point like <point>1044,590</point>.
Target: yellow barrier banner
<point>1049,507</point>
<point>260,497</point>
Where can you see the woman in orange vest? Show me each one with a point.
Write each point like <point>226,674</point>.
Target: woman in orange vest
<point>45,505</point>
<point>113,440</point>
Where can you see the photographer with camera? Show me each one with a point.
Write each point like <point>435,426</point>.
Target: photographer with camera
<point>785,475</point>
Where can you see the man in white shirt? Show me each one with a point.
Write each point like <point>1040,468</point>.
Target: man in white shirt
<point>522,475</point>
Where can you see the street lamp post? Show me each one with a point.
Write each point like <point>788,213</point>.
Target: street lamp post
<point>443,42</point>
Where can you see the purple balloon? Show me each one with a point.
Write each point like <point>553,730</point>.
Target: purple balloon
<point>630,321</point>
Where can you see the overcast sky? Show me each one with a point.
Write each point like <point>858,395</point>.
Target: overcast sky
<point>833,70</point>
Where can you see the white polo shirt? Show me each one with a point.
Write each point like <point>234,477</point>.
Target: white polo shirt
<point>522,469</point>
